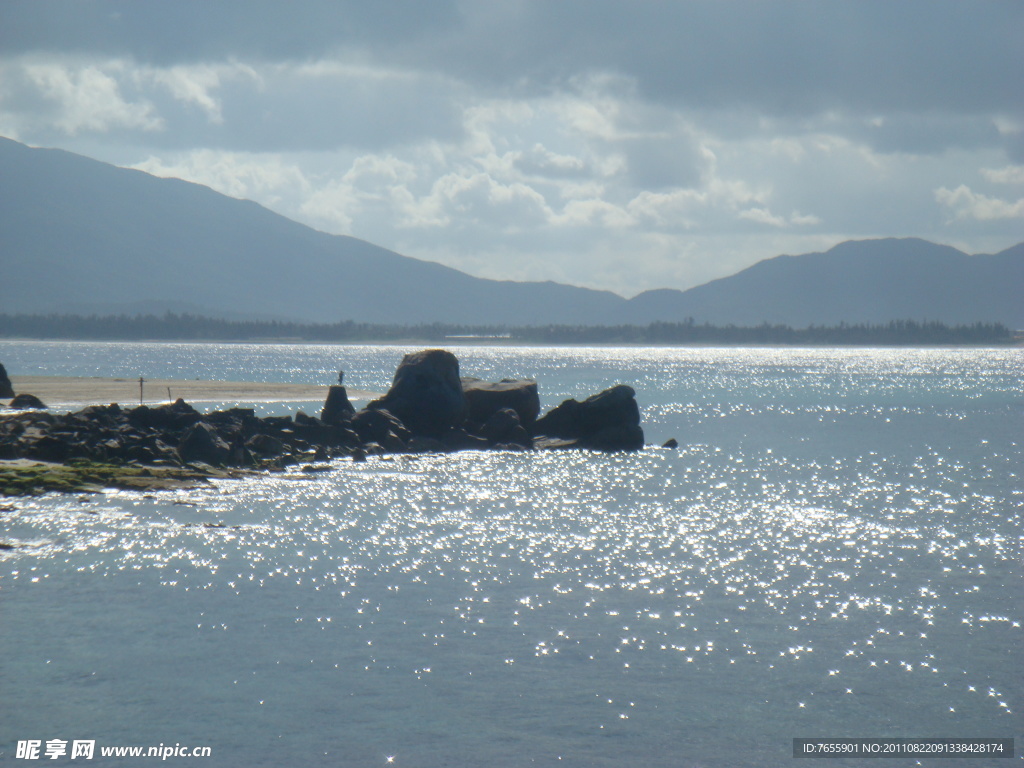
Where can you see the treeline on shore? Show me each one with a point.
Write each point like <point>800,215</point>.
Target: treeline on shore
<point>173,326</point>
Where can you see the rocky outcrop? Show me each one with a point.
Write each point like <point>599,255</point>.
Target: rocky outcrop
<point>381,427</point>
<point>26,400</point>
<point>426,393</point>
<point>173,435</point>
<point>485,398</point>
<point>430,415</point>
<point>6,388</point>
<point>337,407</point>
<point>608,421</point>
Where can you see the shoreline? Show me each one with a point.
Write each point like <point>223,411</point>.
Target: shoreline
<point>1016,341</point>
<point>59,392</point>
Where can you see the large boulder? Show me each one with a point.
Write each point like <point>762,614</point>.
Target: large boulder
<point>379,426</point>
<point>608,421</point>
<point>337,408</point>
<point>426,394</point>
<point>504,428</point>
<point>25,400</point>
<point>485,398</point>
<point>202,443</point>
<point>6,388</point>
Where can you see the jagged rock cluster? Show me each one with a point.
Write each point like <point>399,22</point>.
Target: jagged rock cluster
<point>6,389</point>
<point>429,408</point>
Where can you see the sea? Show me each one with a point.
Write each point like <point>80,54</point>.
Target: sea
<point>834,550</point>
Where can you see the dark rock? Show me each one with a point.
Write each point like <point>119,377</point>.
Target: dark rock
<point>240,456</point>
<point>484,398</point>
<point>26,400</point>
<point>111,447</point>
<point>47,448</point>
<point>177,415</point>
<point>671,443</point>
<point>166,454</point>
<point>341,436</point>
<point>234,423</point>
<point>6,388</point>
<point>426,393</point>
<point>392,443</point>
<point>500,423</point>
<point>608,421</point>
<point>143,454</point>
<point>461,440</point>
<point>504,427</point>
<point>306,421</point>
<point>202,443</point>
<point>373,426</point>
<point>99,416</point>
<point>311,430</point>
<point>337,408</point>
<point>520,437</point>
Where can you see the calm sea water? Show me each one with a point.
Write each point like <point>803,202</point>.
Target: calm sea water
<point>834,550</point>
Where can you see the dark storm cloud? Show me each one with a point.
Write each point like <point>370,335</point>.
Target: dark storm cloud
<point>544,139</point>
<point>781,57</point>
<point>188,31</point>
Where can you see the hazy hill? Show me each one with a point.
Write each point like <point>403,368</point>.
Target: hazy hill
<point>857,281</point>
<point>80,235</point>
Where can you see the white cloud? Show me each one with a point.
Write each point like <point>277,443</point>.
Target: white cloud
<point>538,161</point>
<point>89,97</point>
<point>460,200</point>
<point>1011,174</point>
<point>803,220</point>
<point>674,210</point>
<point>971,205</point>
<point>197,83</point>
<point>762,216</point>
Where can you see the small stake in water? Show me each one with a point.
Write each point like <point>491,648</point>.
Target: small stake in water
<point>169,395</point>
<point>140,389</point>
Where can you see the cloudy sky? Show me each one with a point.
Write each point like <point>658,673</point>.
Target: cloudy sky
<point>619,145</point>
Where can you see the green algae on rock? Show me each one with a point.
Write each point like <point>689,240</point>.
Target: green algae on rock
<point>25,477</point>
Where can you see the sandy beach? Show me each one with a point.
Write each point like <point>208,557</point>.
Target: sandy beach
<point>76,392</point>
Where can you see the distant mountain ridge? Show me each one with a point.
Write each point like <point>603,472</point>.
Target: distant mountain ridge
<point>862,281</point>
<point>78,235</point>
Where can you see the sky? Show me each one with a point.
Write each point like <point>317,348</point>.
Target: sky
<point>615,145</point>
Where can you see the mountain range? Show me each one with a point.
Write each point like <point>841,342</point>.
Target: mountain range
<point>81,236</point>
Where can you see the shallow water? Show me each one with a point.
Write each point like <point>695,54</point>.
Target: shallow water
<point>835,550</point>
